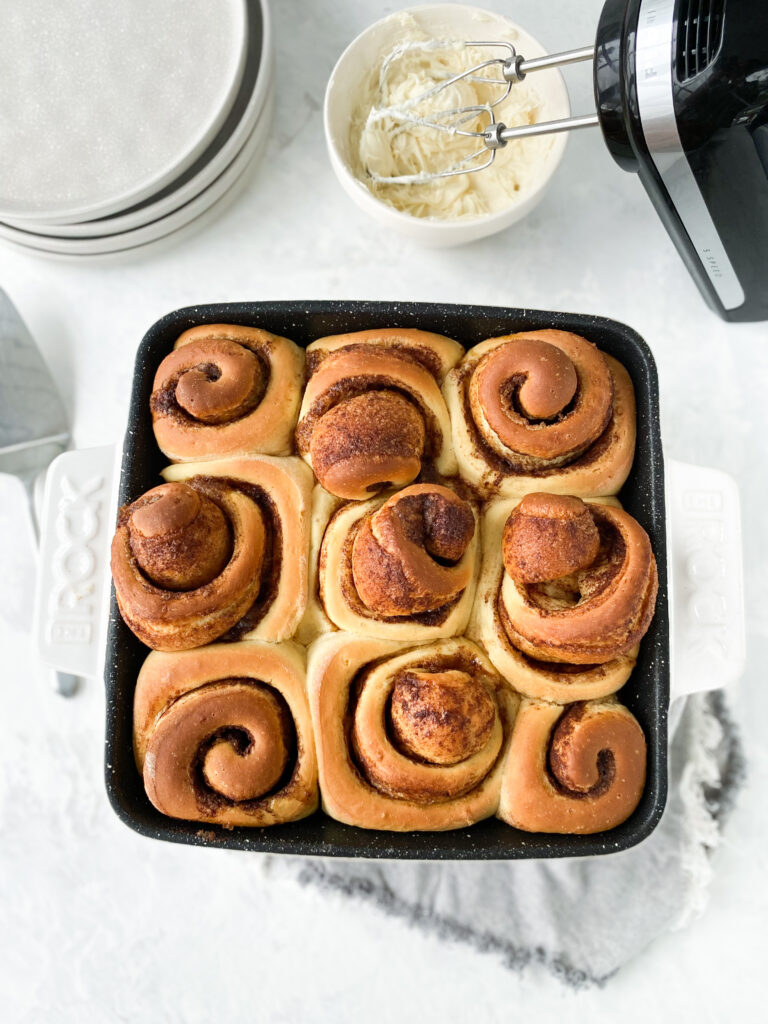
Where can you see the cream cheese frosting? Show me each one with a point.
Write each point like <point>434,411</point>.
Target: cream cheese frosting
<point>389,139</point>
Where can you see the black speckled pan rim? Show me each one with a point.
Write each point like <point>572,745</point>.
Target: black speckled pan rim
<point>646,693</point>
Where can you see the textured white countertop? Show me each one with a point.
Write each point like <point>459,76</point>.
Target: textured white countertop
<point>98,924</point>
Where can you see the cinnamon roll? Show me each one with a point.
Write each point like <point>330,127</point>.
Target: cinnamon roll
<point>567,590</point>
<point>372,413</point>
<point>542,409</point>
<point>227,390</point>
<point>223,734</point>
<point>579,769</point>
<point>408,738</point>
<point>401,567</point>
<point>219,551</point>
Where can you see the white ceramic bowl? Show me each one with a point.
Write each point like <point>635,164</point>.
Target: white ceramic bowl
<point>342,96</point>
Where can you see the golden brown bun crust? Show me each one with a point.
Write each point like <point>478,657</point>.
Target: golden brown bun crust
<point>281,488</point>
<point>409,737</point>
<point>548,536</point>
<point>372,412</point>
<point>520,393</point>
<point>558,681</point>
<point>603,607</point>
<point>372,440</point>
<point>227,390</point>
<point>435,352</point>
<point>541,410</point>
<point>579,770</point>
<point>173,618</point>
<point>441,717</point>
<point>378,565</point>
<point>395,549</point>
<point>179,537</point>
<point>223,734</point>
<point>371,780</point>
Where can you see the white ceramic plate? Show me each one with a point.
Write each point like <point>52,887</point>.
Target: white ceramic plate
<point>106,104</point>
<point>174,221</point>
<point>245,112</point>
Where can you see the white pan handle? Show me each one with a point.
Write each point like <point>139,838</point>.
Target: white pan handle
<point>706,600</point>
<point>71,605</point>
<point>706,588</point>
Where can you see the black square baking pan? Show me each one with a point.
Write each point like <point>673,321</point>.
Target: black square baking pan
<point>646,693</point>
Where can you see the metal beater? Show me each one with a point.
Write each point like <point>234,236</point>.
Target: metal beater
<point>681,95</point>
<point>495,135</point>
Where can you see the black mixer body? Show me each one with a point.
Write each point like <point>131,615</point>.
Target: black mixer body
<point>682,96</point>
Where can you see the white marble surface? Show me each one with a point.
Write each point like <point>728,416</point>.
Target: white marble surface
<point>98,924</point>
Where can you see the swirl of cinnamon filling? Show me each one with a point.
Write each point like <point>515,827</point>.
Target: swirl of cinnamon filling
<point>227,390</point>
<point>186,561</point>
<point>542,398</point>
<point>445,731</point>
<point>400,568</point>
<point>542,405</point>
<point>427,730</point>
<point>581,770</point>
<point>237,762</point>
<point>580,582</point>
<point>406,555</point>
<point>233,749</point>
<point>373,413</point>
<point>369,442</point>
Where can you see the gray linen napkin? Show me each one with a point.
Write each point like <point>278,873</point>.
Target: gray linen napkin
<point>581,918</point>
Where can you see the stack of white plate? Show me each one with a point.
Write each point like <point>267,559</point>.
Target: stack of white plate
<point>122,122</point>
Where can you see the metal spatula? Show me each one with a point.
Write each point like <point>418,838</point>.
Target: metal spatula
<point>33,421</point>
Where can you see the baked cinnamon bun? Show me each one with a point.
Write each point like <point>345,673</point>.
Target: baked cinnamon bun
<point>567,591</point>
<point>579,769</point>
<point>223,734</point>
<point>219,551</point>
<point>372,413</point>
<point>542,409</point>
<point>408,738</point>
<point>227,390</point>
<point>401,567</point>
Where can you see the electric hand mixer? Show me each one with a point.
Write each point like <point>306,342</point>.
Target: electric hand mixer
<point>681,89</point>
